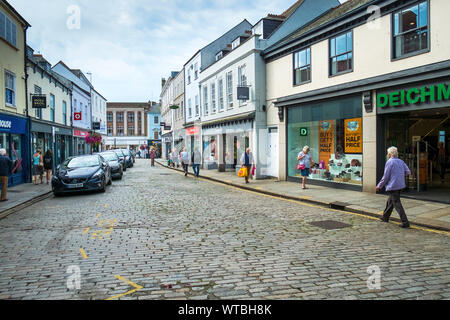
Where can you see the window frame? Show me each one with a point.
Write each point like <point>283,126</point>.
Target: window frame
<point>14,90</point>
<point>230,92</point>
<point>52,108</point>
<point>213,97</point>
<point>64,112</point>
<point>205,99</point>
<point>220,99</point>
<point>14,30</point>
<point>330,64</point>
<point>294,69</point>
<point>416,53</point>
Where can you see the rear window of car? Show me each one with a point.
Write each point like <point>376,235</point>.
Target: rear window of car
<point>81,162</point>
<point>110,156</point>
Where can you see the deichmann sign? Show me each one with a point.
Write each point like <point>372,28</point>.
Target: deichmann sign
<point>432,93</point>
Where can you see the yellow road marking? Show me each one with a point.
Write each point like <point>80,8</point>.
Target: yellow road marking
<point>86,230</point>
<point>136,288</point>
<point>320,207</point>
<point>83,253</point>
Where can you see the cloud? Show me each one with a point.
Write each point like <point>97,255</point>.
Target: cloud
<point>129,45</point>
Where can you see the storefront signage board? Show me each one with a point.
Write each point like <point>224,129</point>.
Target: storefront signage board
<point>303,132</point>
<point>353,135</point>
<point>426,96</point>
<point>39,102</point>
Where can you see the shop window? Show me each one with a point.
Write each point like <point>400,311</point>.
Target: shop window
<point>411,32</point>
<point>10,88</point>
<point>16,153</point>
<point>302,66</point>
<point>333,131</point>
<point>341,53</point>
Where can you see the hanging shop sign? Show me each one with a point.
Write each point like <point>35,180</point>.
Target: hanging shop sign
<point>192,131</point>
<point>326,141</point>
<point>243,93</point>
<point>353,135</point>
<point>77,116</point>
<point>303,132</point>
<point>39,101</point>
<point>95,125</point>
<point>424,94</point>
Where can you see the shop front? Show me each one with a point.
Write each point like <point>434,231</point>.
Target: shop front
<point>14,139</point>
<point>416,119</point>
<point>166,145</point>
<point>333,131</point>
<point>80,147</point>
<point>224,144</point>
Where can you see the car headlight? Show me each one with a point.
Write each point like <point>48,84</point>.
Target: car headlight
<point>98,174</point>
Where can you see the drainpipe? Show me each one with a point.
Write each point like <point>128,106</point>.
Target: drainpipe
<point>28,179</point>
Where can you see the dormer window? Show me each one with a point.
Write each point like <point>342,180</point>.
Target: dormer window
<point>236,43</point>
<point>219,56</point>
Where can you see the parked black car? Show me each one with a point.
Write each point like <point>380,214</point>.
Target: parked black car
<point>82,173</point>
<point>128,158</point>
<point>114,162</point>
<point>121,158</point>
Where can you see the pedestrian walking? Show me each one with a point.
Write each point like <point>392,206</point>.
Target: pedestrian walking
<point>441,161</point>
<point>247,161</point>
<point>175,159</point>
<point>196,161</point>
<point>152,156</point>
<point>184,155</point>
<point>394,180</point>
<point>304,164</point>
<point>48,164</point>
<point>5,170</point>
<point>38,167</point>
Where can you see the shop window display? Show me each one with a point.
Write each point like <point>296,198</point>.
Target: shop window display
<point>333,131</point>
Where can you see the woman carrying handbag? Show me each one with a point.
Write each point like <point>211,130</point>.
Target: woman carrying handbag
<point>304,164</point>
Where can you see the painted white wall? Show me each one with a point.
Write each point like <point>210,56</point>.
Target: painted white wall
<point>81,103</point>
<point>191,88</point>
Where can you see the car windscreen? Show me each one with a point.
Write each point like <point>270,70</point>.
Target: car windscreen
<point>110,156</point>
<point>126,152</point>
<point>81,162</point>
<point>119,153</point>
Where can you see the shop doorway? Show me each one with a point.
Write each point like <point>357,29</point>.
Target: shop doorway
<point>423,142</point>
<point>272,152</point>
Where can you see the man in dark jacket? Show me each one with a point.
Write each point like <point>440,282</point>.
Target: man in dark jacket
<point>5,169</point>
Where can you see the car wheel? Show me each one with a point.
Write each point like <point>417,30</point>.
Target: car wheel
<point>110,181</point>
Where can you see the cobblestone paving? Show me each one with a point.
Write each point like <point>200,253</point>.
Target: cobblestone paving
<point>182,238</point>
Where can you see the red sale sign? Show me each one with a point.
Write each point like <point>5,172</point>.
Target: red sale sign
<point>77,116</point>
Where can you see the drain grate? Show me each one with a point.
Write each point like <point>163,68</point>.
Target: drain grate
<point>330,224</point>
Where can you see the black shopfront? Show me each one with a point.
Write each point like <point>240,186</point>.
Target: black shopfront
<point>52,137</point>
<point>415,118</point>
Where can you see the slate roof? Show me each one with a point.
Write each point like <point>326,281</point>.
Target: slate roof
<point>329,16</point>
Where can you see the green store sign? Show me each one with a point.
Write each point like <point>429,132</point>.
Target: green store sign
<point>432,93</point>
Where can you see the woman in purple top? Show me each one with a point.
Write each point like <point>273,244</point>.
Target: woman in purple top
<point>394,180</point>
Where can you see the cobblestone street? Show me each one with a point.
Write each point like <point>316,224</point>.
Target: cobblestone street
<point>159,235</point>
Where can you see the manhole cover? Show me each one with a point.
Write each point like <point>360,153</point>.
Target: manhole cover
<point>330,224</point>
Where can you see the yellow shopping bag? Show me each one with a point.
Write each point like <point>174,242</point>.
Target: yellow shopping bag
<point>242,172</point>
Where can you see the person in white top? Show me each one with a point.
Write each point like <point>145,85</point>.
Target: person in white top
<point>184,155</point>
<point>304,164</point>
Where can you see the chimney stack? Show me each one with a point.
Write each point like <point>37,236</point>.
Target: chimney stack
<point>163,82</point>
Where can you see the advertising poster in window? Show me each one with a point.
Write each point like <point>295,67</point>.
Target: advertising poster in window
<point>326,141</point>
<point>353,135</point>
